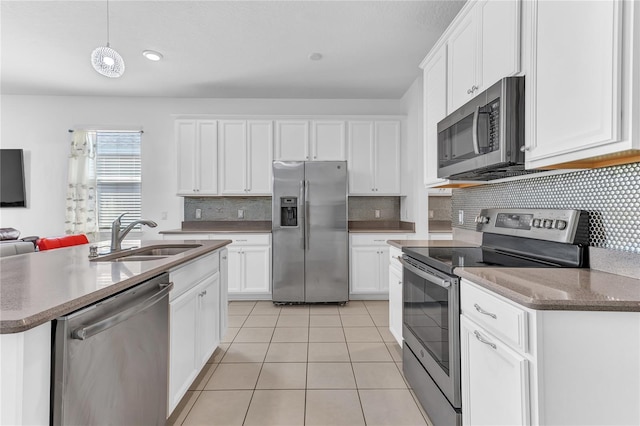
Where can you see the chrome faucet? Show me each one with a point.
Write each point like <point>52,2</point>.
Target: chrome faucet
<point>117,235</point>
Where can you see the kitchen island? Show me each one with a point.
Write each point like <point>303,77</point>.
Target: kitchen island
<point>37,288</point>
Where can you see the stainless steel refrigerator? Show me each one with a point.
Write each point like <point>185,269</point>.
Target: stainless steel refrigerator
<point>310,234</point>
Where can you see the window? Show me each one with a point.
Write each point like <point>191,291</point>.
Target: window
<point>118,175</point>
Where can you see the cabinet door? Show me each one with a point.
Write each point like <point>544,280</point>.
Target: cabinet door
<point>495,385</point>
<point>435,109</point>
<point>233,157</point>
<point>500,37</point>
<point>186,146</point>
<point>257,269</point>
<point>360,158</point>
<point>387,158</point>
<point>292,140</point>
<point>365,270</point>
<point>383,261</point>
<point>224,292</point>
<point>207,157</point>
<point>328,141</point>
<point>462,52</point>
<point>183,313</point>
<point>259,157</point>
<point>235,269</point>
<point>208,318</point>
<point>574,90</point>
<point>395,303</point>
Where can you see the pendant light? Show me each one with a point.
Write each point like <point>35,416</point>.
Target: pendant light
<point>105,60</point>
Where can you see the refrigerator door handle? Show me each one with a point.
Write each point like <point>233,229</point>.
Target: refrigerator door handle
<point>307,243</point>
<point>303,216</point>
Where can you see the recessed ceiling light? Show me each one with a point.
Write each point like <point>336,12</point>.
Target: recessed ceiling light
<point>315,56</point>
<point>152,55</point>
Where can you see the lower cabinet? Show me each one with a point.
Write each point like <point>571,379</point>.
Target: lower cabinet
<point>494,379</point>
<point>395,294</point>
<point>522,366</point>
<point>194,322</point>
<point>249,263</point>
<point>369,265</point>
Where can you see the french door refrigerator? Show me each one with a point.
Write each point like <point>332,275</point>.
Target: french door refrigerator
<point>309,231</point>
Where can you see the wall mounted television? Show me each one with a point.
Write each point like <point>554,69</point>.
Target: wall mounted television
<point>12,189</point>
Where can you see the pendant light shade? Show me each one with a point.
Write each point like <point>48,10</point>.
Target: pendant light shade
<point>105,60</point>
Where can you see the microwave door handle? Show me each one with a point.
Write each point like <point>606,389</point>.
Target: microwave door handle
<point>474,132</point>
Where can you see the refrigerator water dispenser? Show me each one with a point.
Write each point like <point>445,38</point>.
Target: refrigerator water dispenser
<point>289,211</point>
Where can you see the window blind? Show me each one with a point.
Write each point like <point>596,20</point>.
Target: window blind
<point>119,177</point>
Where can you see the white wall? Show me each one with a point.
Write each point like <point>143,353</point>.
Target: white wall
<point>414,205</point>
<point>39,125</point>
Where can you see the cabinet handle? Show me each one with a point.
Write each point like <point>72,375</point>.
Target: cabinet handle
<point>483,340</point>
<point>400,282</point>
<point>240,240</point>
<point>482,311</point>
<point>315,156</point>
<point>224,257</point>
<point>202,293</point>
<point>524,148</point>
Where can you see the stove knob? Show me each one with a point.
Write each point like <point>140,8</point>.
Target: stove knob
<point>561,224</point>
<point>482,219</point>
<point>548,223</point>
<point>535,223</point>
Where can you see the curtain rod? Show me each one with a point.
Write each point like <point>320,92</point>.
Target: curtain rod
<point>114,131</point>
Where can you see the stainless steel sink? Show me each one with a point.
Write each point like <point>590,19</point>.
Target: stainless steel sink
<point>155,252</point>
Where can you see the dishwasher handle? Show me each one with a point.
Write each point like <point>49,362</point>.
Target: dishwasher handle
<point>84,333</point>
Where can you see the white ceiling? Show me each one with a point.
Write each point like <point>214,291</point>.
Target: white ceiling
<point>221,49</point>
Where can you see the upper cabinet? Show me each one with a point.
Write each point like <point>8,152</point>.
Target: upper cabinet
<point>483,46</point>
<point>435,109</point>
<point>583,85</point>
<point>197,154</point>
<point>245,157</point>
<point>374,157</point>
<point>302,140</point>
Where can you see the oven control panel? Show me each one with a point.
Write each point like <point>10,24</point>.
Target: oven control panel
<point>559,225</point>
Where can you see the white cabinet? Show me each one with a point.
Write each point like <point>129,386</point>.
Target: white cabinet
<point>494,379</point>
<point>224,291</point>
<point>249,266</point>
<point>522,366</point>
<point>194,322</point>
<point>369,265</point>
<point>395,294</point>
<point>483,46</point>
<point>197,155</point>
<point>435,109</point>
<point>374,157</point>
<point>318,140</point>
<point>582,86</point>
<point>246,154</point>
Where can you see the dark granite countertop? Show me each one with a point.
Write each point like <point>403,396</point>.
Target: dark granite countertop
<point>41,286</point>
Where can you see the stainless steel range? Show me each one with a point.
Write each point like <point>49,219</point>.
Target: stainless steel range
<point>431,311</point>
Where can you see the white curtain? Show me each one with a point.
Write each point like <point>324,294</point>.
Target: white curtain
<point>81,216</point>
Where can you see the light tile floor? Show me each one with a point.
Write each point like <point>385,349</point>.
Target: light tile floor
<point>303,365</point>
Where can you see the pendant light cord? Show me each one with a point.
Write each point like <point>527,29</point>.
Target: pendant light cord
<point>107,23</point>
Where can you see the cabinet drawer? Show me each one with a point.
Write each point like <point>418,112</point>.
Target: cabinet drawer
<point>506,321</point>
<point>188,275</point>
<point>374,239</point>
<point>244,239</point>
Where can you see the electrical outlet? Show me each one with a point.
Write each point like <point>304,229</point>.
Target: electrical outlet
<point>240,214</point>
<point>198,213</point>
<point>430,214</point>
<point>377,214</point>
<point>460,217</point>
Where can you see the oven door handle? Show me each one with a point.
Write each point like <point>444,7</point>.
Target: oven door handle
<point>435,280</point>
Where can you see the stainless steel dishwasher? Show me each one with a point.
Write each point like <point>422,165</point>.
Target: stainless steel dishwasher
<point>111,359</point>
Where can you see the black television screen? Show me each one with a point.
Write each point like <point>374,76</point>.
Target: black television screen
<point>12,193</point>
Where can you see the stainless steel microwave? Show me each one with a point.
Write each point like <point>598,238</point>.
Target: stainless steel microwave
<point>484,139</point>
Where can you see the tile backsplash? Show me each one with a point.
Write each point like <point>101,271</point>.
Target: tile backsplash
<point>226,208</point>
<point>439,208</point>
<point>259,208</point>
<point>611,195</point>
<point>364,208</point>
